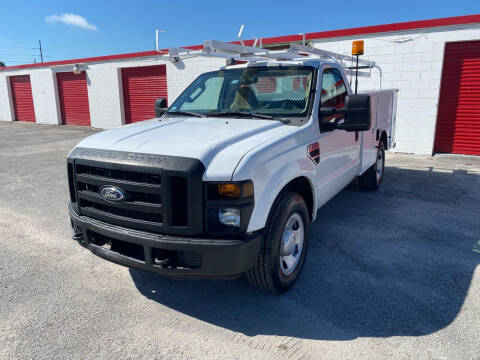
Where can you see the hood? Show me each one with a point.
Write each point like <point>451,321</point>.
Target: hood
<point>220,140</point>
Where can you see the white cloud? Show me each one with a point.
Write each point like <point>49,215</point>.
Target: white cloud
<point>71,19</point>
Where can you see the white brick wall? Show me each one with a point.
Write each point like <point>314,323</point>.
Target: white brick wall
<point>104,95</point>
<point>6,108</point>
<point>411,62</point>
<point>44,92</point>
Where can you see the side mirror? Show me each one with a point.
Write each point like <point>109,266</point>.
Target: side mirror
<point>356,111</point>
<point>160,107</point>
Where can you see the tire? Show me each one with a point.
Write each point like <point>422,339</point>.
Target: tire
<point>373,177</point>
<point>282,256</point>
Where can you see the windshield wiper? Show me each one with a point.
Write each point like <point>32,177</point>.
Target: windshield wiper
<point>239,113</point>
<point>181,112</point>
<point>248,114</point>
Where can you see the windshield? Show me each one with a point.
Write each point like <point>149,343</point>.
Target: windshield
<point>270,91</point>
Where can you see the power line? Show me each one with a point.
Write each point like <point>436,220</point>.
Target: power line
<point>62,52</point>
<point>16,47</point>
<point>20,57</point>
<point>17,54</point>
<point>16,62</point>
<point>44,50</point>
<point>40,48</point>
<point>21,54</point>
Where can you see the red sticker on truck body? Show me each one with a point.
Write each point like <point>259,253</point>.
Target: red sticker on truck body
<point>314,152</point>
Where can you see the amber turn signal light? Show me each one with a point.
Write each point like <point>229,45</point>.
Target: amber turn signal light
<point>229,190</point>
<point>247,189</point>
<point>242,190</point>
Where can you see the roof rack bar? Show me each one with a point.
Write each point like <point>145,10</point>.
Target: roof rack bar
<point>245,52</point>
<point>360,73</point>
<point>180,50</point>
<point>328,54</point>
<point>359,67</point>
<point>220,46</point>
<point>232,56</point>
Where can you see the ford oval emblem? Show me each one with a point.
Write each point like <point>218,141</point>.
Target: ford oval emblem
<point>112,193</point>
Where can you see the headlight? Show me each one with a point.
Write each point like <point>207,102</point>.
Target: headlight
<point>229,217</point>
<point>228,206</point>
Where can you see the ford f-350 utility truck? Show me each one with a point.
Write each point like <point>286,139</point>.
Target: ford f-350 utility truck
<point>228,179</point>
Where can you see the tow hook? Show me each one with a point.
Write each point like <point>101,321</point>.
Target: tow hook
<point>77,232</point>
<point>161,262</point>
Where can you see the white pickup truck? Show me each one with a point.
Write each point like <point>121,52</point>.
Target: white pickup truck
<point>228,179</point>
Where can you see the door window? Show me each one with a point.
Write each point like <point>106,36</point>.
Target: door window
<point>333,93</point>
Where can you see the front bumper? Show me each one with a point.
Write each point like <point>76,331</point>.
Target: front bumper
<point>219,258</point>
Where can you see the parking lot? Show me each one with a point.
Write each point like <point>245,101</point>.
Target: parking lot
<point>389,274</point>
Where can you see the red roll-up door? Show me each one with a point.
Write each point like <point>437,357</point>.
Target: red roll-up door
<point>458,120</point>
<point>141,87</point>
<point>22,98</point>
<point>73,95</point>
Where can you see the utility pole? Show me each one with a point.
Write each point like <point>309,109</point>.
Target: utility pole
<point>40,48</point>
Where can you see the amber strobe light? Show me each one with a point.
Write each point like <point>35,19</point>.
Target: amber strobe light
<point>357,47</point>
<point>357,50</point>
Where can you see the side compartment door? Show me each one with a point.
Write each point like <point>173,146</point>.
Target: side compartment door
<point>339,150</point>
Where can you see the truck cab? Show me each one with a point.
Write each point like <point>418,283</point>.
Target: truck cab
<point>228,179</point>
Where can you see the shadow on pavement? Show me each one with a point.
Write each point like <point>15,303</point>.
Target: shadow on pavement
<point>397,262</point>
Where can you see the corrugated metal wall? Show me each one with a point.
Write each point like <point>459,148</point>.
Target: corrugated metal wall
<point>458,121</point>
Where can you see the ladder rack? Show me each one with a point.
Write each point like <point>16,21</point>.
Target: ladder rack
<point>226,50</point>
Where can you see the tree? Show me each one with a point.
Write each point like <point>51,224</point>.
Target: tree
<point>2,64</point>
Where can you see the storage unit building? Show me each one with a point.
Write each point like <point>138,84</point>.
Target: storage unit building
<point>434,64</point>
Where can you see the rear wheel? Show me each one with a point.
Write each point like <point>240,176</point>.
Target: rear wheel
<point>373,177</point>
<point>281,259</point>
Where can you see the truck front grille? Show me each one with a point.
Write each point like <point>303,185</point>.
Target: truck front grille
<point>161,194</point>
<point>142,208</point>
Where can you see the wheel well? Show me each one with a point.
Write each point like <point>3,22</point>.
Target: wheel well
<point>301,186</point>
<point>383,138</point>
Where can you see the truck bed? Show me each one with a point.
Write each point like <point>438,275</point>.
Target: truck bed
<point>384,109</point>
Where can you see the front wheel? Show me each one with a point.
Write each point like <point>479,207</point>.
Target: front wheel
<point>373,177</point>
<point>281,259</point>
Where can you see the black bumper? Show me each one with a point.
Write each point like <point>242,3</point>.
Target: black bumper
<point>219,258</point>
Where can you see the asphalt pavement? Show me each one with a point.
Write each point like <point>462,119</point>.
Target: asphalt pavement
<point>389,274</point>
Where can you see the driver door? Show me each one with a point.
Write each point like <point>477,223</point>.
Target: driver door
<point>339,149</point>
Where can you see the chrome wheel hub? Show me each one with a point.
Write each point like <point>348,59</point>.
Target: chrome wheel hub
<point>379,164</point>
<point>292,244</point>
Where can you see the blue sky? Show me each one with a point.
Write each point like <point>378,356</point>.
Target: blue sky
<point>93,28</point>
